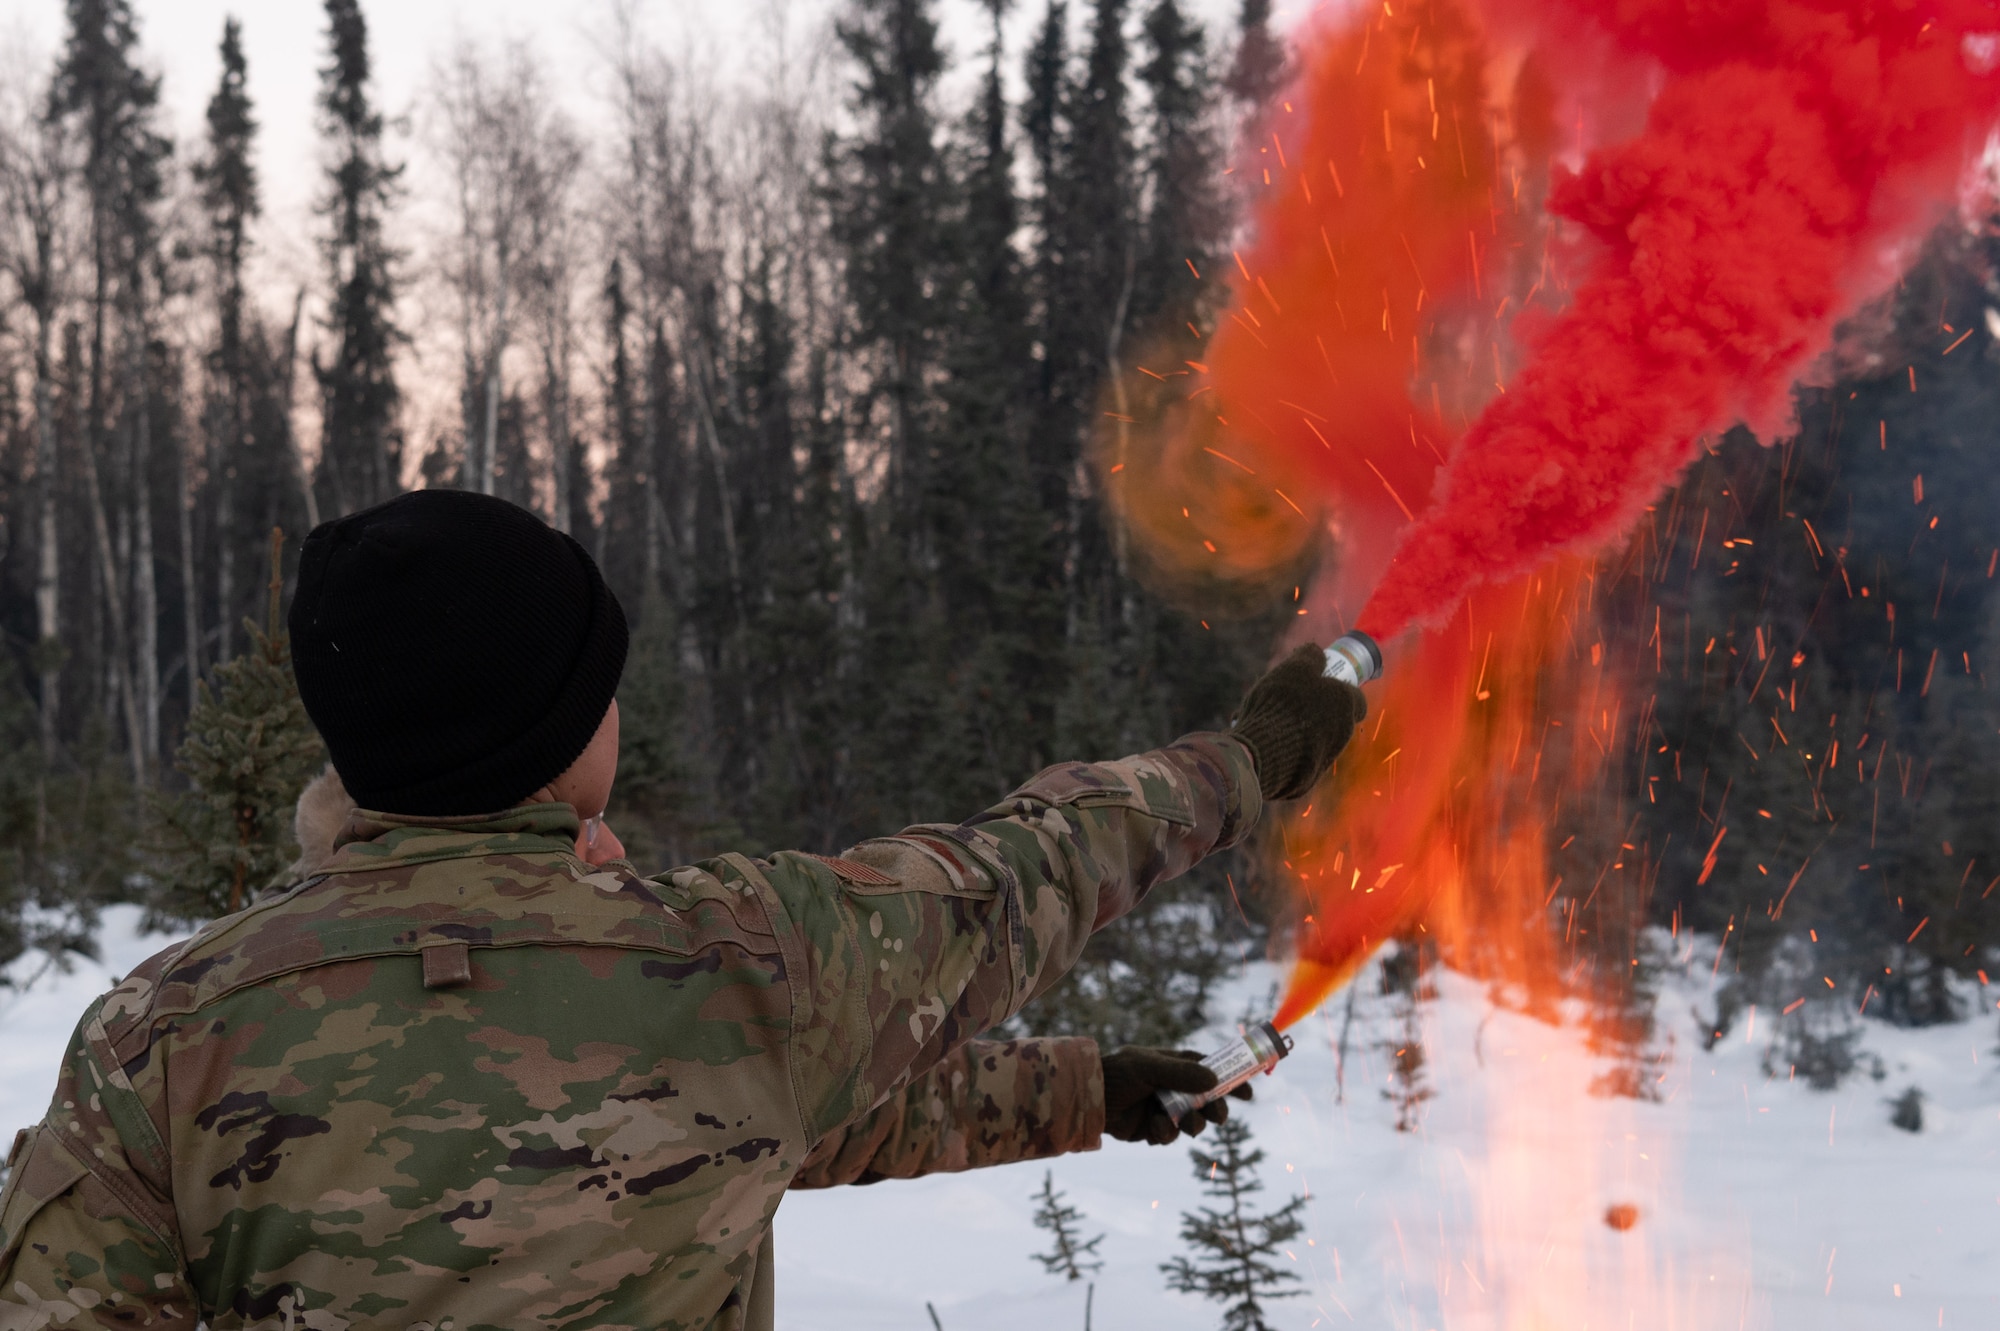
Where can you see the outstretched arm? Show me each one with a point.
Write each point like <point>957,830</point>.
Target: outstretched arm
<point>991,1103</point>
<point>899,951</point>
<point>904,948</point>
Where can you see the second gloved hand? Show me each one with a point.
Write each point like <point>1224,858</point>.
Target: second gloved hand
<point>1133,1078</point>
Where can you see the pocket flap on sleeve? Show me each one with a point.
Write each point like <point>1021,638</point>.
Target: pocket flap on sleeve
<point>43,1171</point>
<point>1139,784</point>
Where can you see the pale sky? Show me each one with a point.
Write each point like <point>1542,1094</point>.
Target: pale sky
<point>284,44</point>
<point>283,41</point>
<point>732,41</point>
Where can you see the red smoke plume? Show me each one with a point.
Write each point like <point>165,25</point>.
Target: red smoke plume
<point>1417,358</point>
<point>1791,150</point>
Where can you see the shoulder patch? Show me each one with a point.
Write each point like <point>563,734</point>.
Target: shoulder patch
<point>855,872</point>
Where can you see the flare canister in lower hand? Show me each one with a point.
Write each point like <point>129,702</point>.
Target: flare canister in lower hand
<point>1257,1050</point>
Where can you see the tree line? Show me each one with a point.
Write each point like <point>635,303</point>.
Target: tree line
<point>813,376</point>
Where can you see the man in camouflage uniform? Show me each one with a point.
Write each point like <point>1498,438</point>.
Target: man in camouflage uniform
<point>477,1071</point>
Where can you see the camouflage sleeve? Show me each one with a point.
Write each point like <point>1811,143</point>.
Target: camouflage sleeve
<point>906,947</point>
<point>991,1103</point>
<point>83,1226</point>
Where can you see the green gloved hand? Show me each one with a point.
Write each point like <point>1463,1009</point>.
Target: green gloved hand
<point>1133,1077</point>
<point>1296,721</point>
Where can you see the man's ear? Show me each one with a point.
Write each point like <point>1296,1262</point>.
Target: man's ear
<point>324,808</point>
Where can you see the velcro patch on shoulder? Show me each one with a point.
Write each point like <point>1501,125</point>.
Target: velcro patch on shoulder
<point>854,872</point>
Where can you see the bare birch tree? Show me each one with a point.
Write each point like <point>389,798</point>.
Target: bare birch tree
<point>487,106</point>
<point>37,171</point>
<point>554,166</point>
<point>112,105</point>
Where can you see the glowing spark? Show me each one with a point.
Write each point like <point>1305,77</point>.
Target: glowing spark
<point>1390,488</point>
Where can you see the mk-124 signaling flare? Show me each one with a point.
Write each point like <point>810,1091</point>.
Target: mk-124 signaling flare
<point>1354,658</point>
<point>1258,1050</point>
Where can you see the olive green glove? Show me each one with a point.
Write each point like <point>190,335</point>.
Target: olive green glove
<point>1133,1078</point>
<point>1296,721</point>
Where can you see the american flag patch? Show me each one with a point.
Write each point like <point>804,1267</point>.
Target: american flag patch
<point>855,872</point>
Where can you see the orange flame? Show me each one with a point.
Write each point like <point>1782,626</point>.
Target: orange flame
<point>1437,816</point>
<point>1400,231</point>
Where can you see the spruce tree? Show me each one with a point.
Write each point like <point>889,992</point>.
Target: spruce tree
<point>228,181</point>
<point>809,796</point>
<point>662,799</point>
<point>1085,264</point>
<point>104,92</point>
<point>1906,1111</point>
<point>1405,981</point>
<point>1260,66</point>
<point>890,189</point>
<point>779,729</point>
<point>1100,219</point>
<point>68,840</point>
<point>1187,218</point>
<point>1070,1255</point>
<point>891,196</point>
<point>1046,71</point>
<point>360,450</point>
<point>248,752</point>
<point>998,565</point>
<point>1235,1247</point>
<point>622,535</point>
<point>1815,789</point>
<point>23,815</point>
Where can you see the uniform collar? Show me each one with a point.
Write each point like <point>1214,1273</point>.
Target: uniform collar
<point>372,840</point>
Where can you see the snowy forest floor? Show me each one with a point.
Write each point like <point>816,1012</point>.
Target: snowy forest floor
<point>1761,1203</point>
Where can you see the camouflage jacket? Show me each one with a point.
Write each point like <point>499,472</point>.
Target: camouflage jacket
<point>462,1079</point>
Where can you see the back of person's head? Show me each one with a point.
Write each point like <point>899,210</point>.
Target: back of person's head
<point>456,652</point>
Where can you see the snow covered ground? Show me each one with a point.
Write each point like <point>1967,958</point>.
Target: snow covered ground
<point>1762,1204</point>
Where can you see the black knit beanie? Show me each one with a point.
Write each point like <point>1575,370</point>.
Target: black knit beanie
<point>456,652</point>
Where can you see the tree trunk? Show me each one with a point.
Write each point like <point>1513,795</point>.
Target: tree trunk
<point>1115,372</point>
<point>291,435</point>
<point>655,509</point>
<point>227,447</point>
<point>496,349</point>
<point>48,570</point>
<point>145,584</point>
<point>190,599</point>
<point>725,498</point>
<point>555,378</point>
<point>114,610</point>
<point>118,676</point>
<point>489,425</point>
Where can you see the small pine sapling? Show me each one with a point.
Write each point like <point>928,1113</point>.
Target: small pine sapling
<point>1340,1067</point>
<point>1819,1045</point>
<point>1907,1110</point>
<point>1405,980</point>
<point>65,844</point>
<point>1233,1245</point>
<point>1622,1025</point>
<point>248,752</point>
<point>1070,1255</point>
